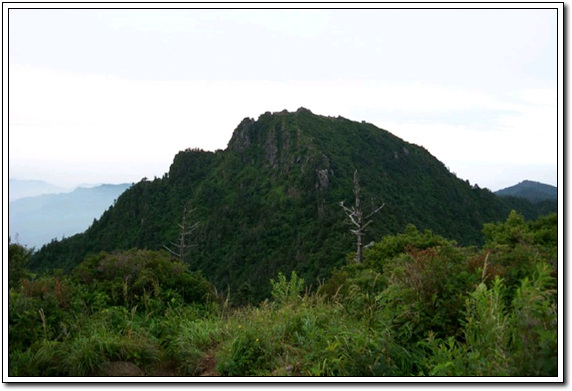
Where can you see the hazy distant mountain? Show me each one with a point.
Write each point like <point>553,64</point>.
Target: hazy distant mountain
<point>20,188</point>
<point>530,190</point>
<point>34,221</point>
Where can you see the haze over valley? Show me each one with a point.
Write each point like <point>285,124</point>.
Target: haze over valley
<point>40,212</point>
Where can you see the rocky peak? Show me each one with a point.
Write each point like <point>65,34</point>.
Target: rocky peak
<point>273,137</point>
<point>241,138</point>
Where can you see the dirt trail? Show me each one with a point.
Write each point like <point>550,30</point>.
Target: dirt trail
<point>162,369</point>
<point>209,365</point>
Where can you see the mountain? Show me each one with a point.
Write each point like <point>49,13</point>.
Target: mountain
<point>34,221</point>
<point>530,190</point>
<point>270,202</point>
<point>20,188</point>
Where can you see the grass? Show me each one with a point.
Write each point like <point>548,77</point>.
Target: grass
<point>312,336</point>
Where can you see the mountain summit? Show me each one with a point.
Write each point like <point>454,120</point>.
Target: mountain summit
<point>270,201</point>
<point>530,190</point>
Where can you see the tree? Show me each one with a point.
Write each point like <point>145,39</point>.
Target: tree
<point>357,218</point>
<point>18,257</point>
<point>512,232</point>
<point>181,248</point>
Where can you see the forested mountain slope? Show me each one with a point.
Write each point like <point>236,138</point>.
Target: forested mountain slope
<point>270,202</point>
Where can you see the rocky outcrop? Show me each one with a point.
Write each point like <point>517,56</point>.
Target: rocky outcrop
<point>241,138</point>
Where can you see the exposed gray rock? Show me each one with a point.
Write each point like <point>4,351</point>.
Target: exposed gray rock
<point>323,180</point>
<point>241,137</point>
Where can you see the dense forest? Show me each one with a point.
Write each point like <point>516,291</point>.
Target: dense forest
<point>246,262</point>
<point>418,305</point>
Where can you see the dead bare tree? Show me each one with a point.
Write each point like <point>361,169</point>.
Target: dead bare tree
<point>180,249</point>
<point>357,218</point>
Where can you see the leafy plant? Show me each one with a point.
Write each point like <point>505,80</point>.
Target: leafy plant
<point>18,259</point>
<point>287,292</point>
<point>534,321</point>
<point>486,331</point>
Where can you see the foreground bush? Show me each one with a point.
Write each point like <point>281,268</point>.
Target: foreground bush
<point>427,308</point>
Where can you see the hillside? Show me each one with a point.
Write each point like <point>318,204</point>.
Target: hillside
<point>530,190</point>
<point>270,202</point>
<point>34,221</point>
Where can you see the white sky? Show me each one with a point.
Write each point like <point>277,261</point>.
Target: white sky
<point>112,95</point>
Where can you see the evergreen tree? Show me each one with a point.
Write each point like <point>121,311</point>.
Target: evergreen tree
<point>18,257</point>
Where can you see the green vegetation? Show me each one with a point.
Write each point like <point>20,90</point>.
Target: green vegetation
<point>269,203</point>
<point>533,191</point>
<point>418,305</point>
<point>457,281</point>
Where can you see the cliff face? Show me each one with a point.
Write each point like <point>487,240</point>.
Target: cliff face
<point>275,140</point>
<point>242,137</point>
<point>270,201</point>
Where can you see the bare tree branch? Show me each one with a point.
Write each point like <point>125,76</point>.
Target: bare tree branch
<point>171,251</point>
<point>374,212</point>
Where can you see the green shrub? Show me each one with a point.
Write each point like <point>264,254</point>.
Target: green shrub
<point>136,277</point>
<point>443,357</point>
<point>486,331</point>
<point>249,353</point>
<point>287,292</point>
<point>18,258</point>
<point>425,290</point>
<point>392,246</point>
<point>534,326</point>
<point>39,310</point>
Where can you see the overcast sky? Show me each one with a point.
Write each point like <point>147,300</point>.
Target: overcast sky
<point>112,95</point>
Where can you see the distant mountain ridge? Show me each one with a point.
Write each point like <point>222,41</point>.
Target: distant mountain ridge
<point>270,202</point>
<point>530,190</point>
<point>22,188</point>
<point>34,221</point>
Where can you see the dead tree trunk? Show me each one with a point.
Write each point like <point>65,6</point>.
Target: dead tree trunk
<point>180,249</point>
<point>357,218</point>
